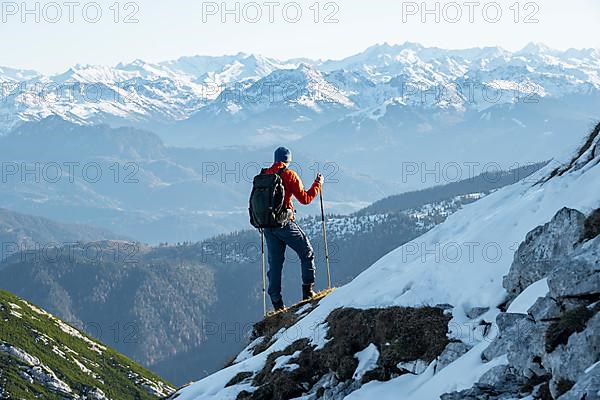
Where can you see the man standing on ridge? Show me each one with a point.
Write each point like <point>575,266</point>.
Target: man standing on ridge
<point>290,234</point>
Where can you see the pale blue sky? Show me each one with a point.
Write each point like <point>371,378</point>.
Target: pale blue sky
<point>170,29</point>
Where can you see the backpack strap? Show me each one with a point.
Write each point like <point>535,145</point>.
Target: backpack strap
<point>264,171</point>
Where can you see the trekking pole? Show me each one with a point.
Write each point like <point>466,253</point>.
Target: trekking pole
<point>264,275</point>
<point>325,239</point>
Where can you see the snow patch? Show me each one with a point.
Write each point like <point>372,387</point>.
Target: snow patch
<point>459,375</point>
<point>591,367</point>
<point>529,296</point>
<point>281,362</point>
<point>367,361</point>
<point>248,350</point>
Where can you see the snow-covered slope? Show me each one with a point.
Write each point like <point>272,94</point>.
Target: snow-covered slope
<point>460,264</point>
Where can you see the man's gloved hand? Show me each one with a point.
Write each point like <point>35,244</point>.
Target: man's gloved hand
<point>320,179</point>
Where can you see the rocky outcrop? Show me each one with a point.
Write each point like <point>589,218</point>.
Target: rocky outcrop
<point>587,387</point>
<point>453,351</point>
<point>577,276</point>
<point>501,382</point>
<point>553,350</point>
<point>542,248</point>
<point>32,370</point>
<point>361,346</point>
<point>588,154</point>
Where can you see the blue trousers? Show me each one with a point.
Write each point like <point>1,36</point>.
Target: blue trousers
<point>277,239</point>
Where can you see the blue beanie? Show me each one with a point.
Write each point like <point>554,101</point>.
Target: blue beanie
<point>283,154</point>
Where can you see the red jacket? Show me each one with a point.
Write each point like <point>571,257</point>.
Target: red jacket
<point>293,186</point>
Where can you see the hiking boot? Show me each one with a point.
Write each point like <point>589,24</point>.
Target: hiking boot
<point>307,291</point>
<point>278,305</point>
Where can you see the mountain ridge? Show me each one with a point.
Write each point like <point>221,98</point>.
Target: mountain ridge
<point>160,95</point>
<point>43,357</point>
<point>20,232</point>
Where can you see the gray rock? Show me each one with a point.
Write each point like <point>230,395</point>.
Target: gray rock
<point>507,328</point>
<point>554,344</point>
<point>577,276</point>
<point>476,393</point>
<point>522,339</point>
<point>476,312</point>
<point>526,348</point>
<point>541,391</point>
<point>542,247</point>
<point>416,367</point>
<point>451,353</point>
<point>568,362</point>
<point>592,225</point>
<point>499,383</point>
<point>504,379</point>
<point>19,354</point>
<point>544,309</point>
<point>587,387</point>
<point>46,377</point>
<point>95,394</point>
<point>571,303</point>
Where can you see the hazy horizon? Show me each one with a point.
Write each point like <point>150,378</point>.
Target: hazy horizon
<point>50,37</point>
<point>300,57</point>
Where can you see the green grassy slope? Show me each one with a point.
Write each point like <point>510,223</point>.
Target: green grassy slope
<point>42,357</point>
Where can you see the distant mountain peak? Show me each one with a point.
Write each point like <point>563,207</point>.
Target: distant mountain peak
<point>536,48</point>
<point>8,73</point>
<point>138,62</point>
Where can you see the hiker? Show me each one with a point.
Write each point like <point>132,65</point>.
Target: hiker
<point>289,233</point>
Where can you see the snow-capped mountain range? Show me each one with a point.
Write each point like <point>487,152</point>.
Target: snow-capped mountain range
<point>300,96</point>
